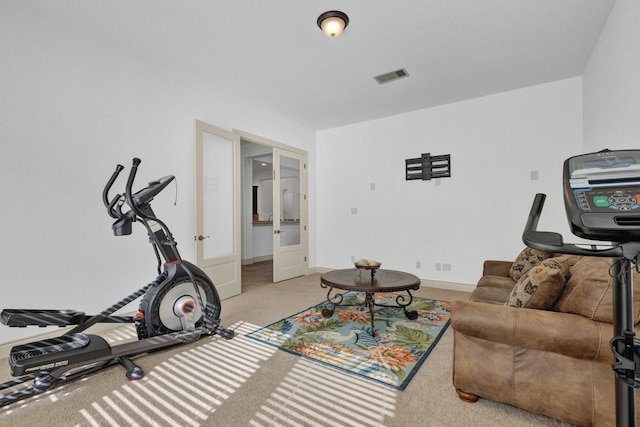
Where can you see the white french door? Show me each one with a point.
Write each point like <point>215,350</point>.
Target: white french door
<point>217,210</point>
<point>289,215</point>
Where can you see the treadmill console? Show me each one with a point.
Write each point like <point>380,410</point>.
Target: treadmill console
<point>602,195</point>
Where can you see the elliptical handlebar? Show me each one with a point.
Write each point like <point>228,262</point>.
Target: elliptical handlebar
<point>128,194</point>
<point>105,193</point>
<point>552,242</point>
<point>134,200</point>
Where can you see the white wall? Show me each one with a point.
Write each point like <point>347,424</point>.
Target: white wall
<point>612,83</point>
<point>72,108</point>
<point>479,213</point>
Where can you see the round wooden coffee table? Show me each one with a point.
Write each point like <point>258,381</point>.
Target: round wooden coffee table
<point>356,280</point>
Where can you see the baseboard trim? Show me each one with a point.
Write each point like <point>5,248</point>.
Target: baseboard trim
<point>450,286</point>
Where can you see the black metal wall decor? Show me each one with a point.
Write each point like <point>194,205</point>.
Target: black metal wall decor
<point>427,166</point>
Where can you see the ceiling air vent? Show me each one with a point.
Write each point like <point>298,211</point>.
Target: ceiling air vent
<point>393,75</point>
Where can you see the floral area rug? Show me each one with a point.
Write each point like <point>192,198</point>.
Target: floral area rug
<point>344,340</point>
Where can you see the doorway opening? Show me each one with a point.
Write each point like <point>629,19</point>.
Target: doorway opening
<point>274,207</point>
<point>257,198</point>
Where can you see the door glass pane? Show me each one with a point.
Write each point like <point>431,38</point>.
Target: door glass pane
<point>289,201</point>
<point>217,197</point>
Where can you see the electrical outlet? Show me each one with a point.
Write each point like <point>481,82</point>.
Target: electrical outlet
<point>446,267</point>
<point>438,266</point>
<point>353,258</point>
<point>354,211</point>
<point>418,264</point>
<point>534,175</point>
<point>373,186</point>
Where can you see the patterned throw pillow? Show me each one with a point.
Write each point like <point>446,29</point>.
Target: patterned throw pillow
<point>525,260</point>
<point>540,287</point>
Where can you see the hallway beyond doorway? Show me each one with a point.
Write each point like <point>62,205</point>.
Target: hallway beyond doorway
<point>256,274</point>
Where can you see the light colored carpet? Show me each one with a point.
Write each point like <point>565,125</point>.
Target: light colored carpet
<point>240,382</point>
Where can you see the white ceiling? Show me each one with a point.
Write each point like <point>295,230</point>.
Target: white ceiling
<point>272,53</point>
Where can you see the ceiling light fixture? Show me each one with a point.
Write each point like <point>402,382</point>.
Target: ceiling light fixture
<point>333,22</point>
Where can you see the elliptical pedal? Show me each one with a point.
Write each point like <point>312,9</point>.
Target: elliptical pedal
<point>48,346</point>
<point>51,353</point>
<point>19,318</point>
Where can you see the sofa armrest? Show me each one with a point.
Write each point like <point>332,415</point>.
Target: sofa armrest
<point>563,333</point>
<point>496,268</point>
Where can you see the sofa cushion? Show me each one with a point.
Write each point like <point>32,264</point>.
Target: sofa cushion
<point>569,260</point>
<point>588,292</point>
<point>541,330</point>
<point>540,286</point>
<point>525,260</point>
<point>496,268</point>
<point>493,289</point>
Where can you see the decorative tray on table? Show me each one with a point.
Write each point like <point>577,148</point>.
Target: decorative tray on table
<point>367,264</point>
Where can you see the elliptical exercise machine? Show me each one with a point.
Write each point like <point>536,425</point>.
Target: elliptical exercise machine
<point>602,202</point>
<point>179,306</point>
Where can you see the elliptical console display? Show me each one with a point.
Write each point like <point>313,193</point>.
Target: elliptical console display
<point>602,195</point>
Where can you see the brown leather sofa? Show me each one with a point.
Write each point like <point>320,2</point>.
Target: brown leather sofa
<point>535,334</point>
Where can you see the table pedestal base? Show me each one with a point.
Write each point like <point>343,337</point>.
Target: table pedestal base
<point>402,302</point>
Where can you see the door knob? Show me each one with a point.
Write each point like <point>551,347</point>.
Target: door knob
<point>201,237</point>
